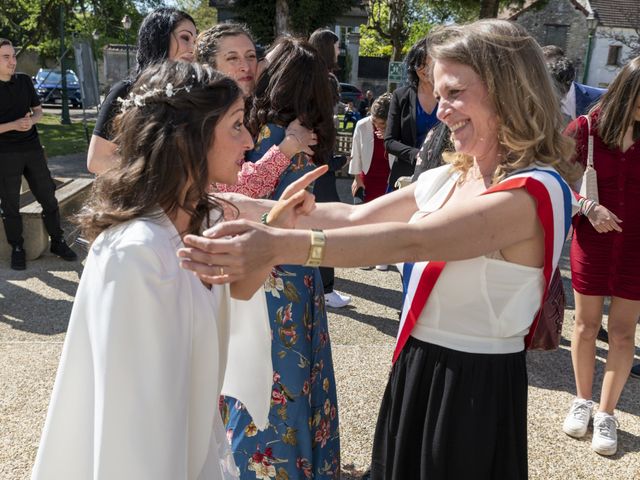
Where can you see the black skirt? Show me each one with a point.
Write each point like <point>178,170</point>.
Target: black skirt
<point>450,415</point>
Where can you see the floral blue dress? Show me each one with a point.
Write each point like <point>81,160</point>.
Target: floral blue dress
<point>302,440</point>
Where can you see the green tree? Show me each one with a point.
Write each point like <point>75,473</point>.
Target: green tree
<point>268,18</point>
<point>390,20</point>
<point>394,25</point>
<point>204,15</point>
<point>36,25</point>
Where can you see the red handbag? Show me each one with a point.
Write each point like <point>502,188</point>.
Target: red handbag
<point>549,329</point>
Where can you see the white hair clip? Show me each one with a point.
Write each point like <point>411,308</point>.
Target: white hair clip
<point>140,99</point>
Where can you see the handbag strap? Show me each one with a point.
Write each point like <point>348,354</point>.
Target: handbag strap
<point>590,143</point>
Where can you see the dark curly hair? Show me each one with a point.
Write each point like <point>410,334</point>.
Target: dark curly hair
<point>416,59</point>
<point>154,36</point>
<point>561,68</point>
<point>162,148</point>
<point>208,41</point>
<point>294,85</point>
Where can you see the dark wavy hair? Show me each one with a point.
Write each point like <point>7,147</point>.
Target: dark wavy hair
<point>415,59</point>
<point>323,41</point>
<point>154,36</point>
<point>561,68</point>
<point>208,41</point>
<point>618,105</point>
<point>162,148</point>
<point>294,85</point>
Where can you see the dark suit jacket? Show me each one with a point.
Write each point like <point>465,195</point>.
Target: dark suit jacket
<point>586,96</point>
<point>400,135</point>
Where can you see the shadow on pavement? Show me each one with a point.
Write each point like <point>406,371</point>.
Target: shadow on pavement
<point>383,325</point>
<point>383,296</point>
<point>34,300</point>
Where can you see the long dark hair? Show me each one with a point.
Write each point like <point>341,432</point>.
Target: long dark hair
<point>163,141</point>
<point>294,85</point>
<point>154,36</point>
<point>415,59</point>
<point>323,41</point>
<point>617,106</point>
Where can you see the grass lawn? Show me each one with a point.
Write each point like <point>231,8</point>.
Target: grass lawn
<point>60,139</point>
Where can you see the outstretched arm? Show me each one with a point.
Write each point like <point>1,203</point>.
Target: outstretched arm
<point>259,179</point>
<point>394,206</point>
<point>486,224</point>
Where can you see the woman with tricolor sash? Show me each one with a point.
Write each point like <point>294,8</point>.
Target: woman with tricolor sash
<point>485,233</point>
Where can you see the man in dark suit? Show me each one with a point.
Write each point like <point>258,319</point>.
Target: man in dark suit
<point>577,98</point>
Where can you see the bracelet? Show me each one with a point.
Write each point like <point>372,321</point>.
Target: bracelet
<point>588,209</point>
<point>316,250</point>
<point>263,218</point>
<point>581,205</point>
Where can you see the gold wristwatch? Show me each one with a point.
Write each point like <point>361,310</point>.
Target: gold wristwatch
<point>316,250</point>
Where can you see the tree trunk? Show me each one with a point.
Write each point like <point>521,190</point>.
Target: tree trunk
<point>489,8</point>
<point>282,23</point>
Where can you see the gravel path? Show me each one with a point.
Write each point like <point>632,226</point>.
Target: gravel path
<point>35,307</point>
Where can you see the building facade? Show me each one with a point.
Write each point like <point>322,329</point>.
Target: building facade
<point>598,50</point>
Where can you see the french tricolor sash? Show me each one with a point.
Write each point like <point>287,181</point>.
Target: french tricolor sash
<point>554,208</point>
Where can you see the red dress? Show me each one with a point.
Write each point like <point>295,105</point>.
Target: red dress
<point>608,263</point>
<point>376,179</point>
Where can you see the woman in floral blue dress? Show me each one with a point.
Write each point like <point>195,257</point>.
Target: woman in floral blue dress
<point>302,440</point>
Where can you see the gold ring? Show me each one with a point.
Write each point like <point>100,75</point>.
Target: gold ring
<point>221,271</point>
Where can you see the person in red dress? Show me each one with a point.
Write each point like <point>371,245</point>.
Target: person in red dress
<point>370,164</point>
<point>605,259</point>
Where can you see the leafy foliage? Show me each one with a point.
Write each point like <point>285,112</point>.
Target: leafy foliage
<point>204,15</point>
<point>305,15</point>
<point>36,25</point>
<point>395,25</point>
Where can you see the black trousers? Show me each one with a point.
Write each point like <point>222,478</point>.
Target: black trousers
<point>31,164</point>
<point>328,277</point>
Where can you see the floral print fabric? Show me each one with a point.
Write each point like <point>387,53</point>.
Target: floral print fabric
<point>302,440</point>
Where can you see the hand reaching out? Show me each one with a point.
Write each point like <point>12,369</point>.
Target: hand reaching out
<point>295,201</point>
<point>604,220</point>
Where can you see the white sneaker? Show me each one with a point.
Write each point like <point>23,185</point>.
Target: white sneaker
<point>382,268</point>
<point>605,435</point>
<point>336,300</point>
<point>577,421</point>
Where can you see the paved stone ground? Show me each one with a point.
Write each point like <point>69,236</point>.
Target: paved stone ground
<point>35,307</point>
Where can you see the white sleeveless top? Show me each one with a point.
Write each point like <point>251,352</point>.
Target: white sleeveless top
<point>480,305</point>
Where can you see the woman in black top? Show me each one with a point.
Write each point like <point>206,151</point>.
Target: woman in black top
<point>166,33</point>
<point>411,115</point>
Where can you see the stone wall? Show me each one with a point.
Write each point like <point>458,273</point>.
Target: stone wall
<point>539,22</point>
<point>114,65</point>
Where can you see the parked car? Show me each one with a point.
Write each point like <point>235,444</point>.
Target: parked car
<point>48,84</point>
<point>351,93</point>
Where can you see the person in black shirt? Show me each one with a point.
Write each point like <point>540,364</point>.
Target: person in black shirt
<point>165,34</point>
<point>21,154</point>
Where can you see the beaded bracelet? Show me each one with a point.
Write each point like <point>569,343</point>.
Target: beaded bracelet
<point>263,218</point>
<point>590,207</point>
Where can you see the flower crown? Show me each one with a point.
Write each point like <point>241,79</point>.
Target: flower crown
<point>140,99</point>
